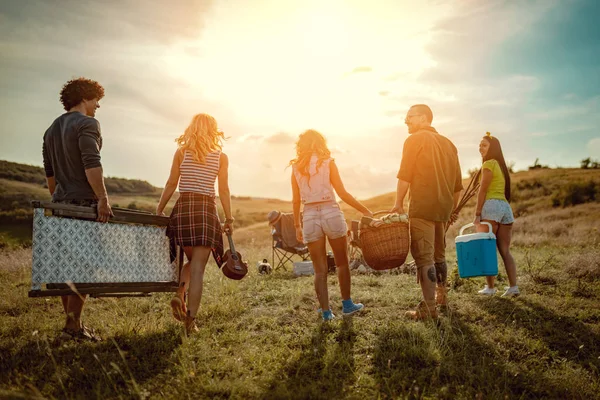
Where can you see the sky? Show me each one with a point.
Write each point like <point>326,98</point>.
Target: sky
<point>527,71</point>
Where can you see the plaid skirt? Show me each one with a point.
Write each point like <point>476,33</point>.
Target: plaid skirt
<point>194,222</point>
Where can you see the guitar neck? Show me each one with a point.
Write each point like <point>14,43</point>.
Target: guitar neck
<point>231,246</point>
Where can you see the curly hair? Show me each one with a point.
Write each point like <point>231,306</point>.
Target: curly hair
<point>76,90</point>
<point>201,137</point>
<point>310,142</point>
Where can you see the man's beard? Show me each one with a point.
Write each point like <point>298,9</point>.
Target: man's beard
<point>412,129</point>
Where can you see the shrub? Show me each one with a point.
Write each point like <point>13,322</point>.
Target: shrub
<point>22,172</point>
<point>120,185</point>
<point>576,193</point>
<point>537,165</point>
<point>589,163</point>
<point>586,268</point>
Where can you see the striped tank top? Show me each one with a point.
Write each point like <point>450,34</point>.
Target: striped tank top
<point>199,178</point>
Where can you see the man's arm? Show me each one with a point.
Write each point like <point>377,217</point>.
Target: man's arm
<point>410,153</point>
<point>89,146</point>
<point>96,180</point>
<point>51,182</point>
<point>48,168</point>
<point>401,190</point>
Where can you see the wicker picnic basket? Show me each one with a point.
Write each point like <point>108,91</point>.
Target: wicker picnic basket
<point>386,246</point>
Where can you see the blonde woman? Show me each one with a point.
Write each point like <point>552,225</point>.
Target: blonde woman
<point>315,176</point>
<point>197,164</point>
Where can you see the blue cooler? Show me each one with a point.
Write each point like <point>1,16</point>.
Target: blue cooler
<point>476,253</point>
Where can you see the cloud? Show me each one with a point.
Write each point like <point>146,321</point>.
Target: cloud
<point>395,113</point>
<point>280,138</point>
<point>358,70</point>
<point>338,150</point>
<point>397,76</point>
<point>364,181</point>
<point>593,147</point>
<point>570,110</point>
<point>465,43</point>
<point>112,20</point>
<point>250,138</point>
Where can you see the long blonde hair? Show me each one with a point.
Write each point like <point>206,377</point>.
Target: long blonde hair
<point>310,142</point>
<point>201,137</point>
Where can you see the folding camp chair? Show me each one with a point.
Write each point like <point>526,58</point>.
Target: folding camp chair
<point>73,254</point>
<point>285,244</point>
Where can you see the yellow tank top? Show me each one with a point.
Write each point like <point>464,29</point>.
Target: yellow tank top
<point>496,188</point>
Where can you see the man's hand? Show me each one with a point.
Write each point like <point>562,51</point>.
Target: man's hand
<point>369,214</point>
<point>299,235</point>
<point>477,220</point>
<point>453,217</point>
<point>397,209</point>
<point>104,210</point>
<point>159,211</point>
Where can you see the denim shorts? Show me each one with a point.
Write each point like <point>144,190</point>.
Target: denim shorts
<point>497,210</point>
<point>323,219</point>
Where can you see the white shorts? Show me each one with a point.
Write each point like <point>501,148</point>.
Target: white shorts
<point>497,210</point>
<point>323,219</point>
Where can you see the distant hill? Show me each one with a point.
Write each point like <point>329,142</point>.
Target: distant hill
<point>534,191</point>
<point>31,174</point>
<point>21,183</point>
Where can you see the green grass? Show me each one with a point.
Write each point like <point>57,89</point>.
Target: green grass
<point>261,338</point>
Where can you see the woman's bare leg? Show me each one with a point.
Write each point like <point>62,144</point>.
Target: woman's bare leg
<point>318,255</point>
<point>340,253</point>
<point>198,262</point>
<point>490,280</point>
<point>504,237</point>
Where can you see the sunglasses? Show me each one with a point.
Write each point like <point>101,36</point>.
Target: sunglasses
<point>408,117</point>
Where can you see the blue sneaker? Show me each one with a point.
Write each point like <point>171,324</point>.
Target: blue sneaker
<point>352,308</point>
<point>327,315</point>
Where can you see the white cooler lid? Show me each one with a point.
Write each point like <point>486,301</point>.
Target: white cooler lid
<point>475,236</point>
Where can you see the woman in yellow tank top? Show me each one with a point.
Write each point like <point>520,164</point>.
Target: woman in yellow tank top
<point>493,207</point>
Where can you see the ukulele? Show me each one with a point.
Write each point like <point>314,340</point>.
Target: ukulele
<point>233,266</point>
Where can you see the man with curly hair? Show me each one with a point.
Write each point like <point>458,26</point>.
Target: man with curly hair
<point>71,152</point>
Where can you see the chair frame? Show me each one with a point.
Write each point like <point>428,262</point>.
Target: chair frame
<point>280,255</point>
<point>107,289</point>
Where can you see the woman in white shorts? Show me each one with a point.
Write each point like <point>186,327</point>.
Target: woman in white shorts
<point>493,207</point>
<point>315,176</point>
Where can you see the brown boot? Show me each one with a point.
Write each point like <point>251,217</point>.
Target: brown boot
<point>190,325</point>
<point>441,297</point>
<point>425,310</point>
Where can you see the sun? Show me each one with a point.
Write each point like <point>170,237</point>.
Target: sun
<point>296,68</point>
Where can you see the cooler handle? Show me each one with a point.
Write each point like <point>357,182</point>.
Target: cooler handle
<point>472,224</point>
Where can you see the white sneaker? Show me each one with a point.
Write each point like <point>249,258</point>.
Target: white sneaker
<point>487,291</point>
<point>511,292</point>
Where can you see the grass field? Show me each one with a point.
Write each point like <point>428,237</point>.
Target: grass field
<point>261,337</point>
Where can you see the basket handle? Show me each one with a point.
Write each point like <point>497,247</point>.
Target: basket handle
<point>381,212</point>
